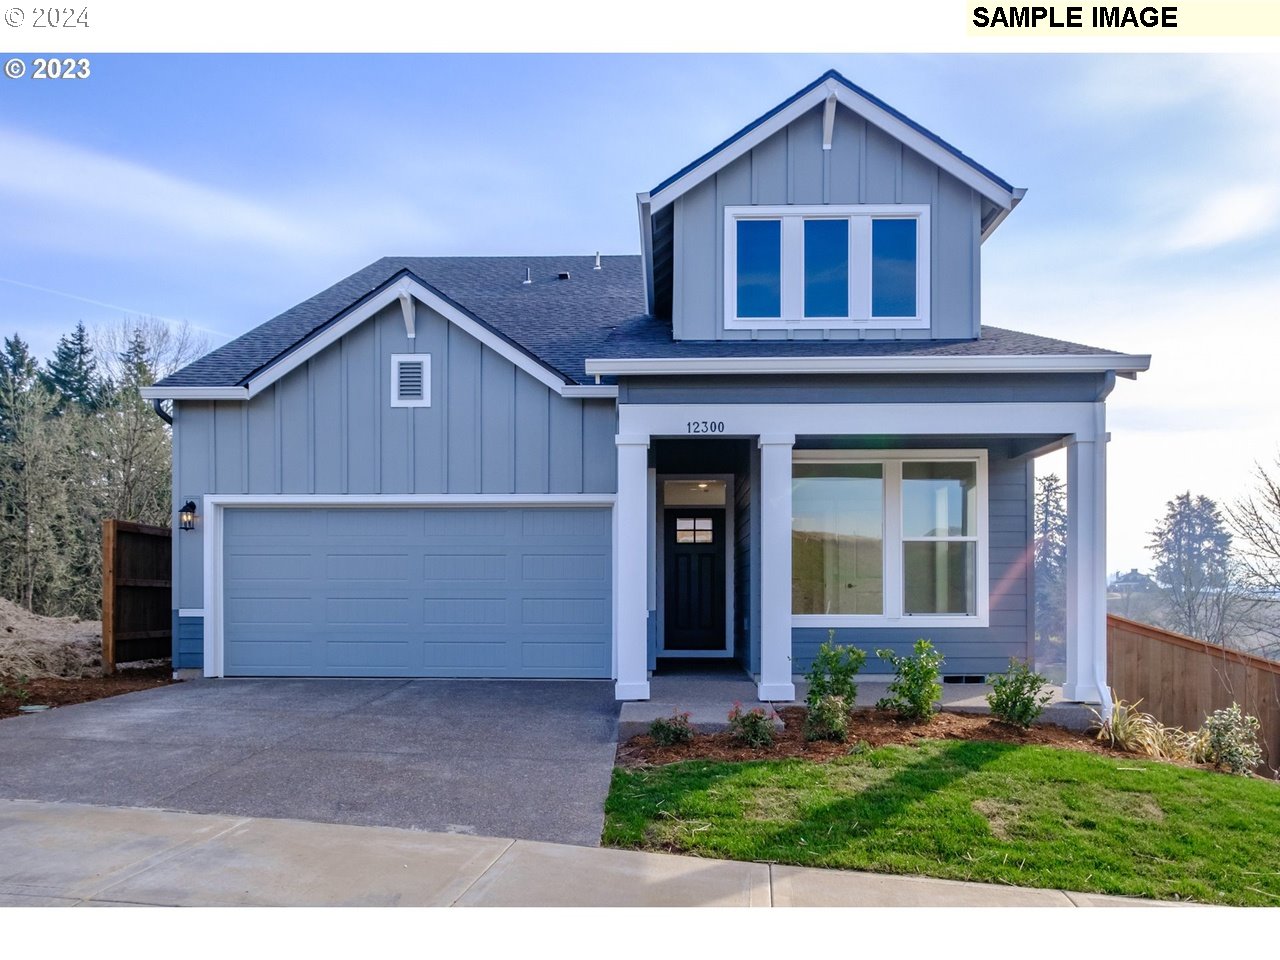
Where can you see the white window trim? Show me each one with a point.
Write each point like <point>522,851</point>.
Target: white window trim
<point>396,360</point>
<point>860,217</point>
<point>893,541</point>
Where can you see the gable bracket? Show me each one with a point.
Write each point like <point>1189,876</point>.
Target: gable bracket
<point>409,311</point>
<point>828,120</point>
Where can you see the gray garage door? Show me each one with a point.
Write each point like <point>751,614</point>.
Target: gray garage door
<point>424,592</point>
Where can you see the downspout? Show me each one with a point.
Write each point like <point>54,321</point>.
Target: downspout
<point>156,405</point>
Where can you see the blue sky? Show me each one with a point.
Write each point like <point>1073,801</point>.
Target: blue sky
<point>222,189</point>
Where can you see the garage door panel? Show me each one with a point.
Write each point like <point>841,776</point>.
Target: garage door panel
<point>465,525</point>
<point>368,611</point>
<point>455,611</point>
<point>476,653</point>
<point>564,524</point>
<point>564,567</point>
<point>388,654</point>
<point>380,567</point>
<point>466,592</point>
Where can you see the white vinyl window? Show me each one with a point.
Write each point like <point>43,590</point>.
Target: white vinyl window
<point>827,266</point>
<point>889,538</point>
<point>411,379</point>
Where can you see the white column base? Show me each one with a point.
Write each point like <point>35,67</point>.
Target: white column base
<point>1082,693</point>
<point>777,692</point>
<point>631,690</point>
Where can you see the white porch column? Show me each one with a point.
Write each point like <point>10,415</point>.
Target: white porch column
<point>775,567</point>
<point>630,570</point>
<point>1087,567</point>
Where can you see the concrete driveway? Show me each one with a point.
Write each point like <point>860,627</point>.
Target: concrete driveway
<point>524,759</point>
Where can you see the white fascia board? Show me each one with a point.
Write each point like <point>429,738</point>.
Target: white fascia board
<point>380,300</point>
<point>864,108</point>
<point>646,248</point>
<point>697,366</point>
<point>1003,212</point>
<point>195,393</point>
<point>410,499</point>
<point>590,391</point>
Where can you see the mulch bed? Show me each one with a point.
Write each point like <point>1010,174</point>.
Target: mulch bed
<point>877,728</point>
<point>60,692</point>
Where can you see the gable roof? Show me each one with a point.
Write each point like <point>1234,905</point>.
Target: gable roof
<point>655,206</point>
<point>555,327</point>
<point>866,105</point>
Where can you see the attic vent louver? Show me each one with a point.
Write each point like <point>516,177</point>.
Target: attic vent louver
<point>411,380</point>
<point>562,275</point>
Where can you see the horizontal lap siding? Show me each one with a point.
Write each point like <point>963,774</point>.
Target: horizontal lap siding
<point>328,427</point>
<point>968,650</point>
<point>189,646</point>
<point>864,165</point>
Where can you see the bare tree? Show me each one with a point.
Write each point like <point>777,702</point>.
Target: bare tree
<point>171,345</point>
<point>1256,521</point>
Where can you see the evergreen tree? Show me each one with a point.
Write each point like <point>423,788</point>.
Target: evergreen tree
<point>1195,568</point>
<point>18,377</point>
<point>1051,555</point>
<point>72,374</point>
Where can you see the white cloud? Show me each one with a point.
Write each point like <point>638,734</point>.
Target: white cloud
<point>1225,216</point>
<point>78,185</point>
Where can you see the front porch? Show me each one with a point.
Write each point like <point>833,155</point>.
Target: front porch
<point>960,577</point>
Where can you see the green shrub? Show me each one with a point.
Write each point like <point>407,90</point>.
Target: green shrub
<point>753,727</point>
<point>832,672</point>
<point>1230,739</point>
<point>1018,696</point>
<point>669,731</point>
<point>827,719</point>
<point>915,687</point>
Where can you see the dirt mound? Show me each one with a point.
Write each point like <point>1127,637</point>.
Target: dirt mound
<point>35,646</point>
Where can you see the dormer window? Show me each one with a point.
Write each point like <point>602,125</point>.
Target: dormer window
<point>827,267</point>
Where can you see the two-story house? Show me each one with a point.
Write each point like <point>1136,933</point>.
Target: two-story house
<point>783,417</point>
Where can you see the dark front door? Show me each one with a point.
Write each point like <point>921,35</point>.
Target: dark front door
<point>694,597</point>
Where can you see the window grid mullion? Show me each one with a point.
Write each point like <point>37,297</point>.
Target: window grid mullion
<point>860,268</point>
<point>792,268</point>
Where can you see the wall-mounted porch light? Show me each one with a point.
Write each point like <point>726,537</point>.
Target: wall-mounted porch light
<point>187,515</point>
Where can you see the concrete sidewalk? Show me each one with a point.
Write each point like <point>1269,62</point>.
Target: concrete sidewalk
<point>62,854</point>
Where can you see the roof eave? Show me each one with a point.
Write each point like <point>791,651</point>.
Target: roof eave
<point>1128,365</point>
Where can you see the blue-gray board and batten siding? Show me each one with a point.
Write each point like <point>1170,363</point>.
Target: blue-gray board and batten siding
<point>328,428</point>
<point>418,592</point>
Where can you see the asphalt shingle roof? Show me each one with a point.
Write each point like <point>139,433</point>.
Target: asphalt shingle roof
<point>597,314</point>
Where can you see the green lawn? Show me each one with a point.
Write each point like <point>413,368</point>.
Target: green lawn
<point>969,810</point>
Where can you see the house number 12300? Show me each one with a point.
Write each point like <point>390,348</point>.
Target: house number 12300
<point>706,426</point>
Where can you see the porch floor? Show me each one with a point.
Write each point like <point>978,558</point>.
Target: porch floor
<point>709,696</point>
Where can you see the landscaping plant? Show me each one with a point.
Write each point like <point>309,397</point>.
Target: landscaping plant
<point>669,731</point>
<point>1018,696</point>
<point>827,719</point>
<point>1230,739</point>
<point>753,727</point>
<point>1130,729</point>
<point>915,687</point>
<point>833,670</point>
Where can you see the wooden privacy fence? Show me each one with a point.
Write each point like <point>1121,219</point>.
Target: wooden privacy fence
<point>137,565</point>
<point>1180,681</point>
